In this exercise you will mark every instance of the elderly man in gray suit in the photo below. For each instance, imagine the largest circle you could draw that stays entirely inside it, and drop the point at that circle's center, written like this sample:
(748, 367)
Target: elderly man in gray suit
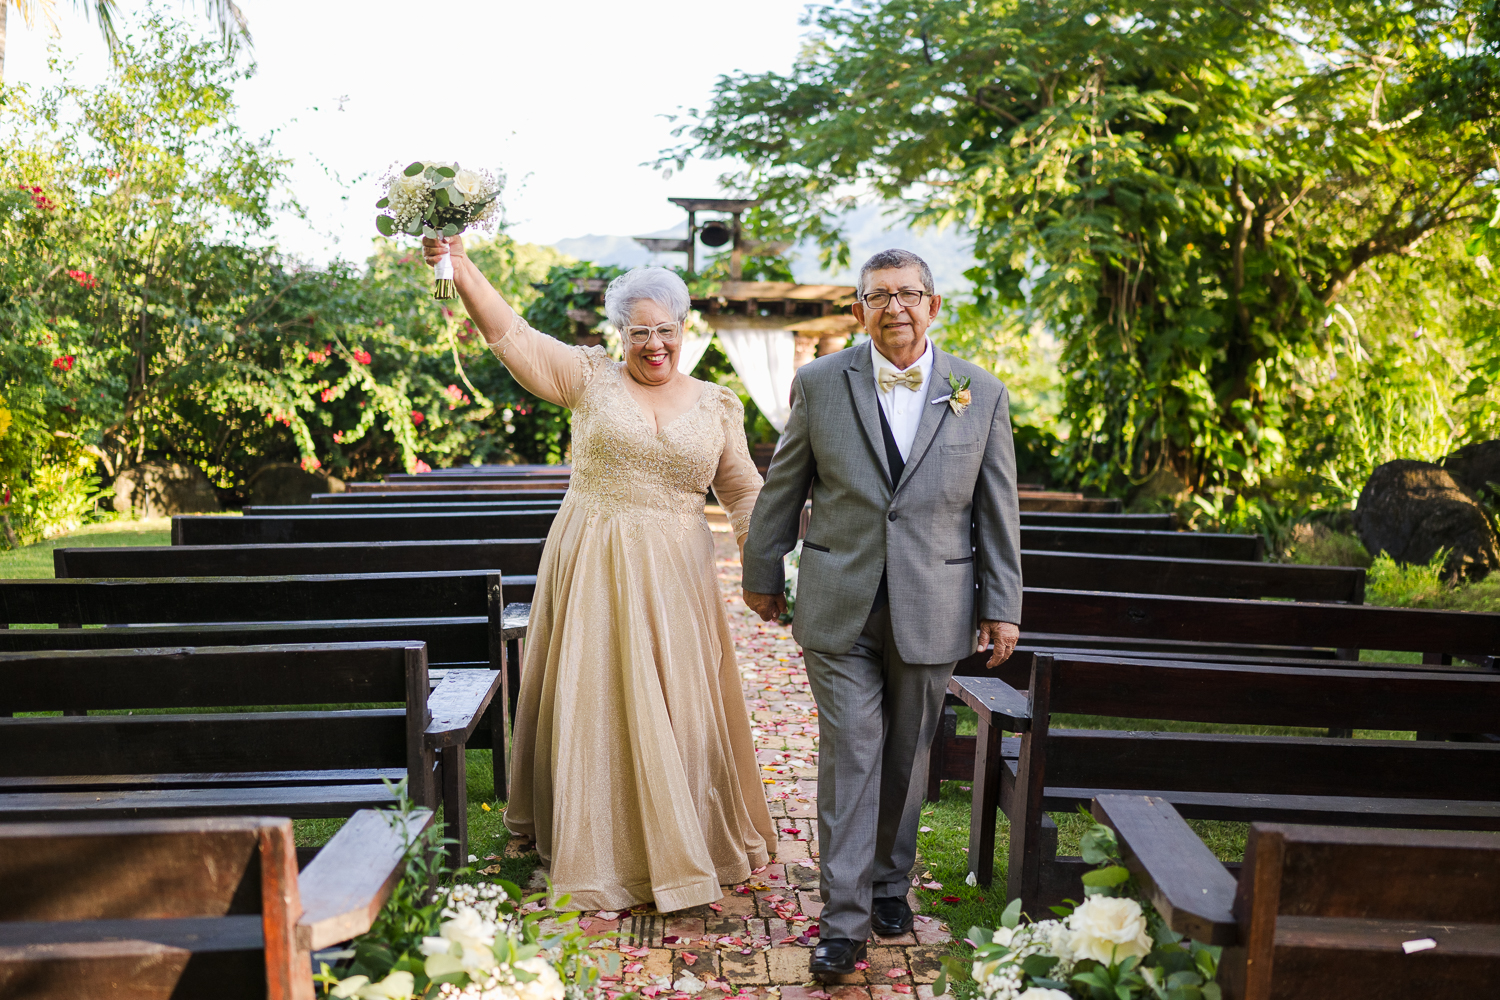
(913, 547)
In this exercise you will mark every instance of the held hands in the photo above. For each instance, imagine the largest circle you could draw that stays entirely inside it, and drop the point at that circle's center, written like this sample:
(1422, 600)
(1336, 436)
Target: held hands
(768, 606)
(432, 250)
(1001, 638)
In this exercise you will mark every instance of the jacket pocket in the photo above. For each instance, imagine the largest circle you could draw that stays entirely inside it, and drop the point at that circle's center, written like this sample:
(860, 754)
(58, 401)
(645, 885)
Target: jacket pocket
(956, 562)
(962, 448)
(814, 546)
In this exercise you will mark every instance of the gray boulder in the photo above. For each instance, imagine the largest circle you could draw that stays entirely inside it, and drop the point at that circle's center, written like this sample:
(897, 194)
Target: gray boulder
(288, 483)
(1475, 466)
(1411, 509)
(161, 489)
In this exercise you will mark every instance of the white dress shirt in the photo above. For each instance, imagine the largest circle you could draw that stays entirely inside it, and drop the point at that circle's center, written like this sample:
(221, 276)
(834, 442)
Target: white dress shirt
(903, 406)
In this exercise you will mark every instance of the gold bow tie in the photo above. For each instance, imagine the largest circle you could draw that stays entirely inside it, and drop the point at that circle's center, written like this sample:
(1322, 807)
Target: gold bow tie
(889, 378)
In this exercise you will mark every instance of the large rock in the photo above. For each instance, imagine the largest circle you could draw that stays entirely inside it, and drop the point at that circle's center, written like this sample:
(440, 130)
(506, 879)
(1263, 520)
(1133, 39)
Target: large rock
(1412, 509)
(1476, 466)
(288, 483)
(161, 489)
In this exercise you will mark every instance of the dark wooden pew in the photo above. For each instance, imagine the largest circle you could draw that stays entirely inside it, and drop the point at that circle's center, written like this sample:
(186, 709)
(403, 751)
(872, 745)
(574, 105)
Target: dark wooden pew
(1126, 542)
(1349, 782)
(1323, 912)
(164, 908)
(463, 610)
(230, 755)
(482, 485)
(335, 510)
(368, 497)
(197, 529)
(1136, 522)
(1196, 577)
(511, 556)
(1068, 502)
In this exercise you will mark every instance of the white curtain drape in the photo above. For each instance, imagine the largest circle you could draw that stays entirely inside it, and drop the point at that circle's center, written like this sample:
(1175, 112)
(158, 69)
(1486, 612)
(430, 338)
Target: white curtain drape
(765, 362)
(694, 344)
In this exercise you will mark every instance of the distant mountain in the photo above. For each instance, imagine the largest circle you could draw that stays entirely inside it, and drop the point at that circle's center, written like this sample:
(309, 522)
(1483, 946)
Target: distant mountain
(949, 253)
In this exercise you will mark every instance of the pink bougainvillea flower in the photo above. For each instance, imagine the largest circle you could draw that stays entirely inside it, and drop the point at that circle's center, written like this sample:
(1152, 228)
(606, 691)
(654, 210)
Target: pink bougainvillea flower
(309, 464)
(316, 357)
(65, 363)
(84, 279)
(327, 394)
(421, 466)
(363, 357)
(416, 416)
(338, 437)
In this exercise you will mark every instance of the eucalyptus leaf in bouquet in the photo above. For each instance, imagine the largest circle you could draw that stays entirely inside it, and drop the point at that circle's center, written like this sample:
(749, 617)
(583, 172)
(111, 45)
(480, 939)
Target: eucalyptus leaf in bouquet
(436, 200)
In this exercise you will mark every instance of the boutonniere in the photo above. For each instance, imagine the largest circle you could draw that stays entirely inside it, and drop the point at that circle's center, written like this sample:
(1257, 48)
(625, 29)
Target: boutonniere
(958, 399)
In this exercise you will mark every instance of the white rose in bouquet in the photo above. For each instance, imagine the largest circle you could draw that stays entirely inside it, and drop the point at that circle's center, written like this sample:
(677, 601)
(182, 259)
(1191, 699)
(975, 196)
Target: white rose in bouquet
(464, 944)
(1108, 929)
(1039, 993)
(436, 200)
(546, 986)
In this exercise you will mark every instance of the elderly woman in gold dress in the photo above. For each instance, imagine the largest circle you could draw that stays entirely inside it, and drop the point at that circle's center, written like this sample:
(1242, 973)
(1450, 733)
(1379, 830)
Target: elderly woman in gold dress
(632, 763)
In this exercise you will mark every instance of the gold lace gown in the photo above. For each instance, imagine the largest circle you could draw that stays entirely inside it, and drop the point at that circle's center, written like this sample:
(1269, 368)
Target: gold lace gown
(632, 763)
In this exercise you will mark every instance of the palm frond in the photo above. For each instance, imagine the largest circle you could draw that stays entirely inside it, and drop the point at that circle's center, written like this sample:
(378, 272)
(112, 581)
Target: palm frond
(234, 27)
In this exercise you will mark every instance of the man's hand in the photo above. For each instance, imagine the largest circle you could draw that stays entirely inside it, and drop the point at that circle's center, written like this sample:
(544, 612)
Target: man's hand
(1001, 637)
(769, 606)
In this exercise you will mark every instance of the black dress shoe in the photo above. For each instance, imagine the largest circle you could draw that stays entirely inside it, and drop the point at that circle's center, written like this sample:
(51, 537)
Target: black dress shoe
(890, 916)
(836, 957)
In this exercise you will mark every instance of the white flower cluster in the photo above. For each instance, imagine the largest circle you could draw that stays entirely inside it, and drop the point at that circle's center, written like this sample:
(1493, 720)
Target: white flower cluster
(411, 199)
(1106, 929)
(502, 984)
(483, 899)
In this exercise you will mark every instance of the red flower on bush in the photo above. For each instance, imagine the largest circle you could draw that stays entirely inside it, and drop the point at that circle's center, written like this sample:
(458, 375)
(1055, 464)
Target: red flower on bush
(316, 357)
(84, 279)
(40, 200)
(456, 397)
(363, 357)
(421, 466)
(309, 464)
(327, 394)
(416, 416)
(65, 362)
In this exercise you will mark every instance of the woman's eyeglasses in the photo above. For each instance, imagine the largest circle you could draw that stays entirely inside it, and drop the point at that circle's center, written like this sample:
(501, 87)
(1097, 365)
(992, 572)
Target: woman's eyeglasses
(906, 296)
(667, 332)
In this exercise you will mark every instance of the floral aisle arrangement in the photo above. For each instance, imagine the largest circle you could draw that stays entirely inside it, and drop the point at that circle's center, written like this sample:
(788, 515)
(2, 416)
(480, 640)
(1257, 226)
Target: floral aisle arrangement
(474, 942)
(1112, 946)
(435, 200)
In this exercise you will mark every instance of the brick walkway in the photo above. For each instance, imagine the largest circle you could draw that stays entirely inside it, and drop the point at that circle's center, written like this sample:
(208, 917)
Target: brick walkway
(756, 940)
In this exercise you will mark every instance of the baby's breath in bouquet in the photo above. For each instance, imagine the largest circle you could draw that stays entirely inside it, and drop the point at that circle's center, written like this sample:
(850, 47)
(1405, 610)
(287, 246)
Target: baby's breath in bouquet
(437, 200)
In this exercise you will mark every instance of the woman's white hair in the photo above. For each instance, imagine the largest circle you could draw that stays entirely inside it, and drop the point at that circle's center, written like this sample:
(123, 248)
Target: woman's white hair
(640, 284)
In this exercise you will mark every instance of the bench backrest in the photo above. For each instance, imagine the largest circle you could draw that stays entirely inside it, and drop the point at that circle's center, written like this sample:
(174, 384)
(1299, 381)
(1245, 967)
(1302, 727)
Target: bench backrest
(512, 556)
(483, 485)
(1243, 694)
(1069, 503)
(1130, 542)
(367, 497)
(209, 679)
(259, 598)
(197, 529)
(1199, 577)
(334, 510)
(1065, 519)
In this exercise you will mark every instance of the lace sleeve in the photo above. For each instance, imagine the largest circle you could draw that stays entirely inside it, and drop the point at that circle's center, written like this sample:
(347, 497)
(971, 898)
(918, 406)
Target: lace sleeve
(737, 483)
(545, 366)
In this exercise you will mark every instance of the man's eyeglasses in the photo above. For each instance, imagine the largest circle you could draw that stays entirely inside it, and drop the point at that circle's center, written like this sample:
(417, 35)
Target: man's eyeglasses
(667, 332)
(906, 296)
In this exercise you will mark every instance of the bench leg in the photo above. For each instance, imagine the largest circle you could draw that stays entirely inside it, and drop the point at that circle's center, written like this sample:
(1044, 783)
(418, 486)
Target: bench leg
(986, 801)
(500, 737)
(455, 805)
(1026, 820)
(947, 729)
(513, 677)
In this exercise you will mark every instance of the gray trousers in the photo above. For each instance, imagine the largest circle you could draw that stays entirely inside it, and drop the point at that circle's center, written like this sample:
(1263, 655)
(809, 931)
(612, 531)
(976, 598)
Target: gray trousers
(876, 720)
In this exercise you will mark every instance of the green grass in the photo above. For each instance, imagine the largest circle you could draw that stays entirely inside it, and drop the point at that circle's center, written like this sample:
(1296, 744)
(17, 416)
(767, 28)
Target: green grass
(34, 562)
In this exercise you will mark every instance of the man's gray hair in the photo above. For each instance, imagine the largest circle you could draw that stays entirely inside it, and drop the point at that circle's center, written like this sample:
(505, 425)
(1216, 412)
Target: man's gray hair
(887, 260)
(642, 284)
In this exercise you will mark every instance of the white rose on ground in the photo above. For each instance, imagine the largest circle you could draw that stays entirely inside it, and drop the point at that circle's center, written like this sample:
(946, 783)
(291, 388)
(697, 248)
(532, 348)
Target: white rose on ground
(1037, 993)
(546, 986)
(1109, 929)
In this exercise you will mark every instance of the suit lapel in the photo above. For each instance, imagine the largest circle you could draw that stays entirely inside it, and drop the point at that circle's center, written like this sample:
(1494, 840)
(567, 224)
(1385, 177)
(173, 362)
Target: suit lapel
(932, 416)
(867, 406)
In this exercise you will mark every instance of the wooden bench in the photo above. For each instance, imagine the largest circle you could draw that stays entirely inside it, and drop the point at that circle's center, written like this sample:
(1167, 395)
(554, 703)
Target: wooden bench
(231, 755)
(198, 529)
(202, 907)
(483, 485)
(1195, 577)
(1216, 776)
(511, 556)
(366, 497)
(337, 510)
(1137, 522)
(1323, 912)
(465, 609)
(1128, 542)
(1068, 502)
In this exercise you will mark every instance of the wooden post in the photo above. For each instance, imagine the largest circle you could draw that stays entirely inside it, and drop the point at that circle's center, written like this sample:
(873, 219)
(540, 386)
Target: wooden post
(692, 241)
(288, 971)
(736, 256)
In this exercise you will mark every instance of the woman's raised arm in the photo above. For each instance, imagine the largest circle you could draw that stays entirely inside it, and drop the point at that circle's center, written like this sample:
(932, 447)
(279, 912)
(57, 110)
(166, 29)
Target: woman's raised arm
(544, 366)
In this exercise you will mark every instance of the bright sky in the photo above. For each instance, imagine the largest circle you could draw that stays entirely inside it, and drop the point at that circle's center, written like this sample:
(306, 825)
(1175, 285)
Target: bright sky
(567, 99)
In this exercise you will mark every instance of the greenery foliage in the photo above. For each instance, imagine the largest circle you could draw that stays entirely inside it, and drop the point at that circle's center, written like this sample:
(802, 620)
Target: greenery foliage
(1262, 232)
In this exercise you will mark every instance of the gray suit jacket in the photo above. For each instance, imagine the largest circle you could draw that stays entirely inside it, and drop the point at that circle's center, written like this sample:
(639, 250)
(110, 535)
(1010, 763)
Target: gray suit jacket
(949, 531)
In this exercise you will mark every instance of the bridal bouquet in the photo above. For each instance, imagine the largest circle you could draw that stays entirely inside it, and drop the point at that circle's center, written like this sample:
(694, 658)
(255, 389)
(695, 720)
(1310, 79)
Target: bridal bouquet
(1112, 946)
(437, 200)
